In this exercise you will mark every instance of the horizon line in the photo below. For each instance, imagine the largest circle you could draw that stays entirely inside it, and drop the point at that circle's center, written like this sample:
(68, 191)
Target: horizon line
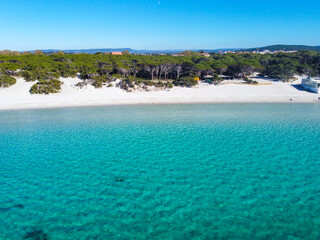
(166, 49)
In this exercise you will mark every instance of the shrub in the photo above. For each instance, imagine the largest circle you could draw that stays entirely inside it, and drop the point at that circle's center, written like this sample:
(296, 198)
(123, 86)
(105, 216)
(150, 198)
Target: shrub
(28, 76)
(7, 81)
(185, 82)
(250, 81)
(159, 84)
(127, 84)
(38, 74)
(99, 81)
(97, 84)
(217, 79)
(145, 83)
(116, 76)
(46, 87)
(169, 85)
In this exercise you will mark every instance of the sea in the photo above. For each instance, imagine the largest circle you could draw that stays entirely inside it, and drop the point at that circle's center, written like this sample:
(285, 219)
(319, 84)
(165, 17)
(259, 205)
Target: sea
(189, 171)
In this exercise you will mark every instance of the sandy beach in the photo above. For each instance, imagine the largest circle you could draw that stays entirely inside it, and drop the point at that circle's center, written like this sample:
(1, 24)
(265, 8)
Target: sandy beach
(18, 96)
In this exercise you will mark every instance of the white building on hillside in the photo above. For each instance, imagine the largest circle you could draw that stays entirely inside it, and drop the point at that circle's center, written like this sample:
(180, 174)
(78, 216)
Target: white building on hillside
(312, 84)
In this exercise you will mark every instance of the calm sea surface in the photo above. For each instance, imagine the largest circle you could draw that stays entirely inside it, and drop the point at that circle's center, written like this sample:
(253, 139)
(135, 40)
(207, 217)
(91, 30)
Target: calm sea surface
(219, 171)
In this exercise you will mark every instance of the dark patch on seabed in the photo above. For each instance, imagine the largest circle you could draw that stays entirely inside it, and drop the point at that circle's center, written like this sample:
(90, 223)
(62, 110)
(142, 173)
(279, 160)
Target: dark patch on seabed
(36, 234)
(6, 209)
(118, 179)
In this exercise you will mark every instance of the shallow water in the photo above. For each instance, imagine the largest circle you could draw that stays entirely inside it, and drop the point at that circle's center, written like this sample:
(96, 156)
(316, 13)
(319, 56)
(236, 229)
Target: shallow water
(216, 171)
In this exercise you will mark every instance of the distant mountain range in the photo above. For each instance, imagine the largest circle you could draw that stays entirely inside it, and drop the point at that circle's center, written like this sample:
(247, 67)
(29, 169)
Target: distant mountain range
(143, 51)
(285, 48)
(172, 51)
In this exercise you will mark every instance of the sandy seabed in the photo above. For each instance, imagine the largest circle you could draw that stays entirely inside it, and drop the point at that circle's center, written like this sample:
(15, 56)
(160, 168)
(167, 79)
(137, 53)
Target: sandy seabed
(18, 96)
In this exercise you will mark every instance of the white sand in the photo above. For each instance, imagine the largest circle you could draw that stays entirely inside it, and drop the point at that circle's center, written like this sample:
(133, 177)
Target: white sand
(18, 96)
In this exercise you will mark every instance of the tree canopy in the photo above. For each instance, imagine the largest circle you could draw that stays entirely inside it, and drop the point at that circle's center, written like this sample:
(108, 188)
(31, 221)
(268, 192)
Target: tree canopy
(99, 68)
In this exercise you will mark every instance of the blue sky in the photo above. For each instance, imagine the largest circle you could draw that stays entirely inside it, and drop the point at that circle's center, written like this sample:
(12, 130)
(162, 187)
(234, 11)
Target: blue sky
(157, 24)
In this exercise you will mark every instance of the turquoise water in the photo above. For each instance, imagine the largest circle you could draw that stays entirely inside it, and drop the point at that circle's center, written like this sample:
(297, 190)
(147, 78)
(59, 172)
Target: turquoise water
(220, 171)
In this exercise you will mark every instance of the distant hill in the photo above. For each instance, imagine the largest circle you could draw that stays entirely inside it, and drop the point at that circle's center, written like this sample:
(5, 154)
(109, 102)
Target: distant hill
(92, 51)
(173, 51)
(285, 48)
(218, 50)
(143, 51)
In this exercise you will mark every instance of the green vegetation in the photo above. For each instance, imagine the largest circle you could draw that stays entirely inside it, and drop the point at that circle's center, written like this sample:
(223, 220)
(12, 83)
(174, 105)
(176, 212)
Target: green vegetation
(100, 80)
(216, 79)
(250, 81)
(185, 82)
(7, 81)
(46, 87)
(130, 83)
(152, 71)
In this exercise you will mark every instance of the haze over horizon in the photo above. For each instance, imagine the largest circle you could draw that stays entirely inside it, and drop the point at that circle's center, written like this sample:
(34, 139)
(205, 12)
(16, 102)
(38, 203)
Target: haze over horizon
(159, 50)
(157, 25)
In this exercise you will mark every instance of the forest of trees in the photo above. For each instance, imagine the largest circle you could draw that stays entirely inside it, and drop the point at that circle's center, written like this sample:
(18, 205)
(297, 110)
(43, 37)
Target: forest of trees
(160, 71)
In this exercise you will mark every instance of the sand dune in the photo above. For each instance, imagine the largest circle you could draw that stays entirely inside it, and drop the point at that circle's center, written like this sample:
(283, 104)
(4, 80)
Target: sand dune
(18, 96)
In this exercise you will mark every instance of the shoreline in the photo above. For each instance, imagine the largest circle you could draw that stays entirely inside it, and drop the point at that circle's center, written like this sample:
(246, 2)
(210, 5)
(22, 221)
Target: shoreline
(57, 106)
(17, 97)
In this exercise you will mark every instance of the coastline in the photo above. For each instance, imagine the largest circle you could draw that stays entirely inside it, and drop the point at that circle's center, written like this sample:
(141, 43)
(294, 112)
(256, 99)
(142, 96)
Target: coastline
(18, 97)
(124, 103)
